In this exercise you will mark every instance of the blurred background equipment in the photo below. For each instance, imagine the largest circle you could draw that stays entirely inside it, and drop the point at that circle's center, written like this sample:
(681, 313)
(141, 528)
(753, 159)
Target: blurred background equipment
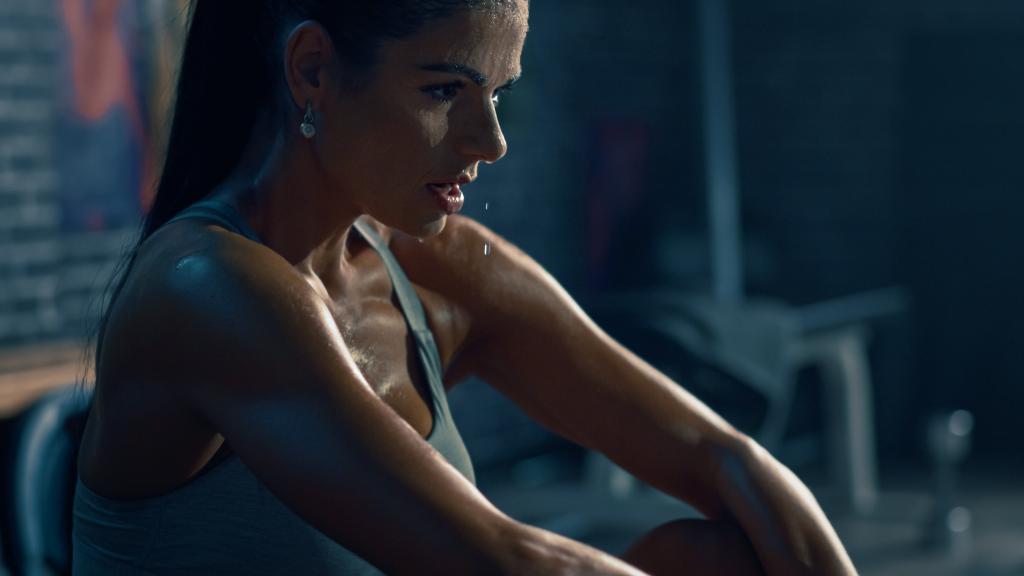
(949, 443)
(806, 213)
(40, 483)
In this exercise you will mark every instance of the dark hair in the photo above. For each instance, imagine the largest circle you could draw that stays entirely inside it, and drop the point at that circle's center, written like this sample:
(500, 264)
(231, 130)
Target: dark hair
(236, 47)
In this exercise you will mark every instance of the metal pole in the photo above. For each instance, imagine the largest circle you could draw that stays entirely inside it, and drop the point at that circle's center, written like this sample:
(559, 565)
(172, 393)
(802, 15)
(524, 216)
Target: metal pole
(720, 151)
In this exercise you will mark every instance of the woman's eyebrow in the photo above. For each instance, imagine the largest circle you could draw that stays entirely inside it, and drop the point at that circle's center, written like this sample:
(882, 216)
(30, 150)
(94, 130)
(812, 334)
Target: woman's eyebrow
(511, 82)
(477, 78)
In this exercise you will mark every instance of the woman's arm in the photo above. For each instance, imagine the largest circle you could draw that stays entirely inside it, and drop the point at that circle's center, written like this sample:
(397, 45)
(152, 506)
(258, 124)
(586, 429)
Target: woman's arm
(268, 369)
(767, 499)
(530, 340)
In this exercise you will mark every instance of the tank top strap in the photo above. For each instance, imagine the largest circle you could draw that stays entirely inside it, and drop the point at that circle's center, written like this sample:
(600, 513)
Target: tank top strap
(415, 316)
(221, 213)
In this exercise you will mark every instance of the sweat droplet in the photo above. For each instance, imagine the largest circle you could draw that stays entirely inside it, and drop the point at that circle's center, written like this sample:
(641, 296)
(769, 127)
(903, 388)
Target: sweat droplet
(487, 249)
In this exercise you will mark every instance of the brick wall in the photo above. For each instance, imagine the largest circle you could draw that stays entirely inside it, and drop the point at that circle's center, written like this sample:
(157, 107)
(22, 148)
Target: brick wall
(49, 280)
(30, 248)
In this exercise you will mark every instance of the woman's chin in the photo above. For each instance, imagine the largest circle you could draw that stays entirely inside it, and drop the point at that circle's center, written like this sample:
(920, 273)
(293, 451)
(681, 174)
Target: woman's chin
(434, 228)
(421, 230)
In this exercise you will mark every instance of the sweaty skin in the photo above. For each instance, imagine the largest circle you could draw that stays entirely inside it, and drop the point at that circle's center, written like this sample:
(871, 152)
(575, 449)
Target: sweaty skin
(218, 343)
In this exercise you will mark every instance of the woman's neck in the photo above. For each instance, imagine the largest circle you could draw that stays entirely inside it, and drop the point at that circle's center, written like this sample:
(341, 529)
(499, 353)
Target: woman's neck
(280, 188)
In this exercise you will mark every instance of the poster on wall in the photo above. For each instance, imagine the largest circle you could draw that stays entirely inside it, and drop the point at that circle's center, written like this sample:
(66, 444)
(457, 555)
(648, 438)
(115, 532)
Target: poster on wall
(116, 83)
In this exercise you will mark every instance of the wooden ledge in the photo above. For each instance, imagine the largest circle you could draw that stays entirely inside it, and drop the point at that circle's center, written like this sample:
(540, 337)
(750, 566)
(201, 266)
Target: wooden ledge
(28, 372)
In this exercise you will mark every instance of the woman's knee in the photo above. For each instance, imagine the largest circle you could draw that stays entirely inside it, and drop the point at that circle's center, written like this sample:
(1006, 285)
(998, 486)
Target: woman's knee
(694, 546)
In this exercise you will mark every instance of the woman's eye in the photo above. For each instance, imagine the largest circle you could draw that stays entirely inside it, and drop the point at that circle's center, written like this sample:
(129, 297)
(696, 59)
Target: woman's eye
(499, 94)
(445, 92)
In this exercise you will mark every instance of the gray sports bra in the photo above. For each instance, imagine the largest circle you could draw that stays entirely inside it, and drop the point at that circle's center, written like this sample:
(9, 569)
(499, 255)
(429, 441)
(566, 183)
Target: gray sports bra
(225, 521)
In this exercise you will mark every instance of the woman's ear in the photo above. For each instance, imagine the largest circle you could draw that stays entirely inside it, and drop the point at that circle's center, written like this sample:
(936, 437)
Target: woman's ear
(308, 53)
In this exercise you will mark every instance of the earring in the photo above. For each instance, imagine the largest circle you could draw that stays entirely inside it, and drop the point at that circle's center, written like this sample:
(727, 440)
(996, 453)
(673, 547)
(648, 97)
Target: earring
(307, 128)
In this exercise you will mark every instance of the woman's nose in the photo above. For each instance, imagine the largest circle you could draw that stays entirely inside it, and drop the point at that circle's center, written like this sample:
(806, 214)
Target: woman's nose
(482, 138)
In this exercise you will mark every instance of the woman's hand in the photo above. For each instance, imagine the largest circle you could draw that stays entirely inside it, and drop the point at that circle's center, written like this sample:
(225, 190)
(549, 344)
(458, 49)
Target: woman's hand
(537, 552)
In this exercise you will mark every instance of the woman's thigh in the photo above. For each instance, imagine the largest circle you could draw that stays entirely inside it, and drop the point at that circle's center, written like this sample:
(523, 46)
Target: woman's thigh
(694, 546)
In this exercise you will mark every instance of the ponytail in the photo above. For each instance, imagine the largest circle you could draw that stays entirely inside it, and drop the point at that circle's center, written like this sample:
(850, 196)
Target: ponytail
(225, 80)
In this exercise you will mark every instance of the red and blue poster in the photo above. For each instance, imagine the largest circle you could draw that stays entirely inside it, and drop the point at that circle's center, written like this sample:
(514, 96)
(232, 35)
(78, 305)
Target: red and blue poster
(115, 84)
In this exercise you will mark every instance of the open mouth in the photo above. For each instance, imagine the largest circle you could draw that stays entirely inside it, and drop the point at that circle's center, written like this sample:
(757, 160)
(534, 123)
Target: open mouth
(441, 188)
(448, 195)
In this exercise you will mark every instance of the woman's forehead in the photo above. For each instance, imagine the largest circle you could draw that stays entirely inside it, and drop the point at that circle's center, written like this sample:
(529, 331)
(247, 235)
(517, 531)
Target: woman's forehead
(489, 41)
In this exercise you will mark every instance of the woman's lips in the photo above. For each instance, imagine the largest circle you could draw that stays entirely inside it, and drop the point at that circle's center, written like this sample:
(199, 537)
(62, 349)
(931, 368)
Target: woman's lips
(449, 197)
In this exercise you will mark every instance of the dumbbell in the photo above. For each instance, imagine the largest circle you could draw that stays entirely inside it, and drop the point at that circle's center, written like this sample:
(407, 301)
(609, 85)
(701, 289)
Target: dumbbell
(948, 527)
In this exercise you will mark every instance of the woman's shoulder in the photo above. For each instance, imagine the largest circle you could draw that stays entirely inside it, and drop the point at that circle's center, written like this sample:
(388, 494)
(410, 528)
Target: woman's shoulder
(190, 281)
(463, 260)
(472, 270)
(182, 239)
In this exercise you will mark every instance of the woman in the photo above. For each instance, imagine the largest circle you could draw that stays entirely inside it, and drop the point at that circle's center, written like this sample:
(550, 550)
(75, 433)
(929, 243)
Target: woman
(272, 368)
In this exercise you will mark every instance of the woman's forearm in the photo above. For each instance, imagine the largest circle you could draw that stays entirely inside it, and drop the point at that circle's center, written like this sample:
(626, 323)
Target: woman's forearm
(781, 517)
(531, 551)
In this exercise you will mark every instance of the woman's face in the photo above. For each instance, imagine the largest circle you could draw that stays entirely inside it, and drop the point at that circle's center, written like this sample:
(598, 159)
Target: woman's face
(426, 116)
